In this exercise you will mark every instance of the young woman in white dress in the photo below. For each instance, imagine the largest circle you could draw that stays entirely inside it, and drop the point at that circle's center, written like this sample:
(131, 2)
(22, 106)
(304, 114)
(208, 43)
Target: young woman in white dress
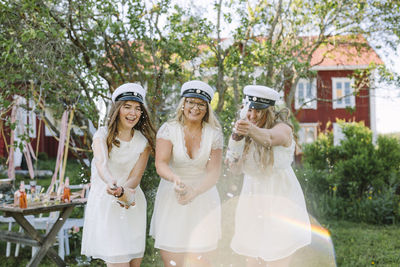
(271, 219)
(115, 218)
(186, 219)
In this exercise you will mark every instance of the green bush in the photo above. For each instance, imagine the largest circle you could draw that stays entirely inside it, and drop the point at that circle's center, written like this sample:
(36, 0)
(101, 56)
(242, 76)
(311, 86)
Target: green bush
(355, 180)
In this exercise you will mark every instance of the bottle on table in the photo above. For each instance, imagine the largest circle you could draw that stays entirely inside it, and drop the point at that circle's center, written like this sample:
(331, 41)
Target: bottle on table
(20, 196)
(66, 197)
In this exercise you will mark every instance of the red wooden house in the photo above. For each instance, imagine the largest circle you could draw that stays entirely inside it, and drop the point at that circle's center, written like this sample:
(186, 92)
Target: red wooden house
(336, 92)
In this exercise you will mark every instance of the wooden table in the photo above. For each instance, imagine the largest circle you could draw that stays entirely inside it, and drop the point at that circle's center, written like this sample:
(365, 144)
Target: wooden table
(33, 237)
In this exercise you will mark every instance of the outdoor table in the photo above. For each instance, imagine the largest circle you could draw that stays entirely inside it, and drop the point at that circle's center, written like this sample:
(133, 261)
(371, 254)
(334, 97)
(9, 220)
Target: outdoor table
(33, 237)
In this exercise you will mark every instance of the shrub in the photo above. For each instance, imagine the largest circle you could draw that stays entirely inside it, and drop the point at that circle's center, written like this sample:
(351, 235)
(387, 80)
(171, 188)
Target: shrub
(355, 180)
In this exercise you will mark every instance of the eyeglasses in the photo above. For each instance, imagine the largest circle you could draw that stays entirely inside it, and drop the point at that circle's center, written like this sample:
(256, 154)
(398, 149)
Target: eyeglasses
(200, 106)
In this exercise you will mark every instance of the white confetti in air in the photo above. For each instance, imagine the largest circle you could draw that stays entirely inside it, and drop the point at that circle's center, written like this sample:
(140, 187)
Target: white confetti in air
(229, 194)
(172, 263)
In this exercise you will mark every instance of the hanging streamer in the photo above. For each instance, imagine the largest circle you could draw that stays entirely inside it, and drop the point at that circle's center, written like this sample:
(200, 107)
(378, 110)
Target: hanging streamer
(71, 116)
(11, 169)
(29, 160)
(60, 150)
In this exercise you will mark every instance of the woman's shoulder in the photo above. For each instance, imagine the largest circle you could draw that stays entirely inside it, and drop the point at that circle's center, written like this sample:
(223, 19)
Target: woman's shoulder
(169, 124)
(140, 136)
(101, 132)
(172, 123)
(213, 129)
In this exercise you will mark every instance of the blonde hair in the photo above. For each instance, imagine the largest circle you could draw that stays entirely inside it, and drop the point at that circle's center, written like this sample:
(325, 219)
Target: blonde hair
(269, 118)
(209, 117)
(144, 125)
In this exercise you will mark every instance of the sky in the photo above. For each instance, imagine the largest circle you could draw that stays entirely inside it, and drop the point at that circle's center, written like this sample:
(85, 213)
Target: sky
(388, 98)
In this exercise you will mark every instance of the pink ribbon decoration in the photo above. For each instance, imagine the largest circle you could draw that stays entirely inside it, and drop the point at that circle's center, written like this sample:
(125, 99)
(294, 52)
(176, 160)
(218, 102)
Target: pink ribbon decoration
(11, 168)
(29, 161)
(60, 150)
(30, 148)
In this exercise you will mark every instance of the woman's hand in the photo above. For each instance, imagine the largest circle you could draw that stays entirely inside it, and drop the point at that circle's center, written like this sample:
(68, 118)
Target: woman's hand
(186, 196)
(234, 167)
(243, 127)
(113, 189)
(127, 199)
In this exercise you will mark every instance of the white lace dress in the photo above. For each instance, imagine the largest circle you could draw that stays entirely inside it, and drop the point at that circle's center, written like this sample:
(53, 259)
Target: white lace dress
(271, 217)
(195, 227)
(112, 233)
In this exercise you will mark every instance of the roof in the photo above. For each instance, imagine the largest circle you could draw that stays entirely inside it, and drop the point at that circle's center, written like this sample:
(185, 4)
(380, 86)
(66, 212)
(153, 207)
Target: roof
(345, 52)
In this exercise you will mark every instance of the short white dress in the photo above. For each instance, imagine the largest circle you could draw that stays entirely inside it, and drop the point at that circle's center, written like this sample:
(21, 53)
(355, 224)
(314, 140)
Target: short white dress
(110, 232)
(271, 220)
(195, 227)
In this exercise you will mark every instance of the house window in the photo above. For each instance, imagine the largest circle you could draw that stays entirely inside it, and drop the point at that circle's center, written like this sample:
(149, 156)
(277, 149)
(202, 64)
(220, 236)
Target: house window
(307, 133)
(342, 93)
(306, 94)
(338, 134)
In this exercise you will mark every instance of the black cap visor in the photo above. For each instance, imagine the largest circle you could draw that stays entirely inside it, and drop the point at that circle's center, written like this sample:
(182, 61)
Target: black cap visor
(258, 105)
(202, 97)
(130, 98)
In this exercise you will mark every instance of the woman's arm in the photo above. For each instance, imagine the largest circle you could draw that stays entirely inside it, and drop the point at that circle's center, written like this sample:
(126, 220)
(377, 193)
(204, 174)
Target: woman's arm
(126, 192)
(100, 159)
(136, 174)
(213, 173)
(163, 156)
(279, 135)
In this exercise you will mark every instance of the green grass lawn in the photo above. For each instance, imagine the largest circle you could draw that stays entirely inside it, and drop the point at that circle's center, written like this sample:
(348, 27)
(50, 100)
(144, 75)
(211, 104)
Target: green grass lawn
(355, 244)
(359, 244)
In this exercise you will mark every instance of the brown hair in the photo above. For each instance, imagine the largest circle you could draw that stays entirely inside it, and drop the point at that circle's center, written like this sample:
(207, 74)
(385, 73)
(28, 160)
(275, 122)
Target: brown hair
(269, 118)
(144, 125)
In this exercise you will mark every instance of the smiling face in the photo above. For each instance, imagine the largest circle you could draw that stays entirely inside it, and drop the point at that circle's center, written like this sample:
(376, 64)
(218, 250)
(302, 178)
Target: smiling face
(194, 109)
(257, 116)
(129, 114)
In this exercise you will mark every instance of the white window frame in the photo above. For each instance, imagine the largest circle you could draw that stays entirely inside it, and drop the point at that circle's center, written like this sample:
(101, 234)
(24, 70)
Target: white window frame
(304, 127)
(311, 101)
(341, 103)
(338, 134)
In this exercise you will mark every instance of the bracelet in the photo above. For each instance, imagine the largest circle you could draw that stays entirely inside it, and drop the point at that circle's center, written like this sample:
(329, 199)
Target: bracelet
(122, 193)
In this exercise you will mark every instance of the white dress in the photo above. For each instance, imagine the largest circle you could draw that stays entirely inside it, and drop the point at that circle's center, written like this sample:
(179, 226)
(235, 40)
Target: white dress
(195, 227)
(271, 218)
(110, 232)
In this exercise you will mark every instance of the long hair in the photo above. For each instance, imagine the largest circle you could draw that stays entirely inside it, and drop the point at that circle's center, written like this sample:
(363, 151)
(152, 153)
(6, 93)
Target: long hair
(269, 118)
(209, 117)
(144, 125)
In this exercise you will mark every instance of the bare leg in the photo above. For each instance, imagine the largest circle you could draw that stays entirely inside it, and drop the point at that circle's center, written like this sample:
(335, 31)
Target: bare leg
(132, 263)
(255, 262)
(125, 264)
(285, 262)
(197, 260)
(135, 262)
(172, 259)
(258, 262)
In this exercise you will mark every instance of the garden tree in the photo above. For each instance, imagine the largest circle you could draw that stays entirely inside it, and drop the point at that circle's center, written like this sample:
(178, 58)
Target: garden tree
(75, 52)
(38, 64)
(383, 17)
(267, 46)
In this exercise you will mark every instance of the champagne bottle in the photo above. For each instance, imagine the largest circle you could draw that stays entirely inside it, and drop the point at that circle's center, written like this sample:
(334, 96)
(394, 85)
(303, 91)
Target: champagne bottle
(236, 142)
